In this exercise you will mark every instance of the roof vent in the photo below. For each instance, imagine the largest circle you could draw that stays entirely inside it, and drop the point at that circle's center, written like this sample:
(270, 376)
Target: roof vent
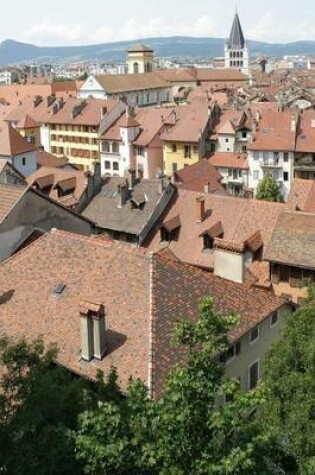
(59, 288)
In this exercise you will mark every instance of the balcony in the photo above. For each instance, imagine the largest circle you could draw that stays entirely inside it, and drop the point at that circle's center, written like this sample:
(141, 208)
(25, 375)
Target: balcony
(306, 164)
(270, 163)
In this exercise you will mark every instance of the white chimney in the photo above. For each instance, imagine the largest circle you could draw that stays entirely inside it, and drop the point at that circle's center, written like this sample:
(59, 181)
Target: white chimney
(93, 330)
(229, 260)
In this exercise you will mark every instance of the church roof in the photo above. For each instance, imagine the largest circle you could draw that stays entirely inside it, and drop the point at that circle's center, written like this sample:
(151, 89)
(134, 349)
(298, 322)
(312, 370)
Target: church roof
(237, 39)
(139, 48)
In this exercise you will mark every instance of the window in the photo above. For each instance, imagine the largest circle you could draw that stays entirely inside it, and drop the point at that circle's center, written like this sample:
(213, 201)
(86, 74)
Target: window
(115, 166)
(107, 165)
(23, 161)
(255, 155)
(187, 153)
(285, 176)
(265, 156)
(276, 174)
(226, 140)
(274, 319)
(286, 157)
(284, 274)
(253, 375)
(174, 167)
(235, 174)
(244, 134)
(276, 157)
(115, 147)
(207, 242)
(135, 68)
(255, 175)
(231, 353)
(254, 335)
(174, 148)
(105, 146)
(195, 149)
(140, 151)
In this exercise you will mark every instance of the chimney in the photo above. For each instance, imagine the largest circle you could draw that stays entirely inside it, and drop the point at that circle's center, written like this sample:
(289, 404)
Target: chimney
(93, 330)
(206, 187)
(200, 209)
(103, 112)
(293, 123)
(122, 190)
(229, 260)
(161, 184)
(131, 178)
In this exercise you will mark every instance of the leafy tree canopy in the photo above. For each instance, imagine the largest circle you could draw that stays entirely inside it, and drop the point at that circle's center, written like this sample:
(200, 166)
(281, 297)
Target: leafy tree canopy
(268, 190)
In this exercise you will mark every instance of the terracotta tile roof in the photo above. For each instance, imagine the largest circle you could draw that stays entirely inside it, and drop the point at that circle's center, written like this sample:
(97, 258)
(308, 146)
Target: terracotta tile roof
(119, 83)
(240, 219)
(12, 143)
(229, 122)
(150, 120)
(27, 123)
(55, 178)
(196, 176)
(293, 239)
(305, 142)
(46, 159)
(300, 194)
(140, 306)
(202, 74)
(191, 121)
(90, 115)
(229, 160)
(274, 133)
(9, 197)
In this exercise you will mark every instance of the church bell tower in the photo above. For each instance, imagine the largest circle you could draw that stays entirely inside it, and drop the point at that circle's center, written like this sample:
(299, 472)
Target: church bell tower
(236, 50)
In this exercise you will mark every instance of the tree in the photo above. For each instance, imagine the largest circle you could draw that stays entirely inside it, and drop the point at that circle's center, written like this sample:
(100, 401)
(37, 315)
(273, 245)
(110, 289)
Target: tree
(39, 407)
(269, 190)
(289, 412)
(187, 430)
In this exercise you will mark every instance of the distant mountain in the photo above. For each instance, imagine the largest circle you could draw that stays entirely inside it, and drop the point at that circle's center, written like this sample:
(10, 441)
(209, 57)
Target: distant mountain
(13, 52)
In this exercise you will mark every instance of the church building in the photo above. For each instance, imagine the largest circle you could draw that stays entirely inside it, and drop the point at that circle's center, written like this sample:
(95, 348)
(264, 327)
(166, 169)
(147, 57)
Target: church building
(236, 50)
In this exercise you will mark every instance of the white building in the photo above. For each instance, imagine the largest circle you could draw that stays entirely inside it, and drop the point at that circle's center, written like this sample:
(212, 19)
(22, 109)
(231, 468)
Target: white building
(236, 49)
(272, 150)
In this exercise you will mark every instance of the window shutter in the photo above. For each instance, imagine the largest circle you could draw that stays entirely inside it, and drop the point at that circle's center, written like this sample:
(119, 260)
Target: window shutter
(275, 274)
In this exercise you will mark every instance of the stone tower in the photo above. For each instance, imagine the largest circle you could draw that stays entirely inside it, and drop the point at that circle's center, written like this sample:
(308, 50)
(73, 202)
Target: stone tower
(140, 59)
(236, 50)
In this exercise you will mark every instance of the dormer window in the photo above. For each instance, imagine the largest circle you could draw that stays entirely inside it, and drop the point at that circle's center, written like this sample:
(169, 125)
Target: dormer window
(208, 236)
(207, 242)
(170, 229)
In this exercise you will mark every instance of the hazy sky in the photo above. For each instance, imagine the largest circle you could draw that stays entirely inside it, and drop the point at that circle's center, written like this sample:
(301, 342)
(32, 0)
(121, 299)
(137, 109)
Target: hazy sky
(68, 22)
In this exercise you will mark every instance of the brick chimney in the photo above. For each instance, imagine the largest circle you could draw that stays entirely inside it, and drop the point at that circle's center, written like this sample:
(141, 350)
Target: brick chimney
(200, 209)
(93, 330)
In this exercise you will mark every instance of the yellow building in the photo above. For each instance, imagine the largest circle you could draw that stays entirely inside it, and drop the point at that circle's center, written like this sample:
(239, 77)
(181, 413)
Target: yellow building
(64, 125)
(177, 155)
(79, 143)
(186, 134)
(140, 59)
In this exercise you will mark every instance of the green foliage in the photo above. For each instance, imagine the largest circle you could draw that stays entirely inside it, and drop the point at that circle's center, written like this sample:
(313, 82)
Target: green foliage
(290, 382)
(268, 190)
(186, 431)
(39, 407)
